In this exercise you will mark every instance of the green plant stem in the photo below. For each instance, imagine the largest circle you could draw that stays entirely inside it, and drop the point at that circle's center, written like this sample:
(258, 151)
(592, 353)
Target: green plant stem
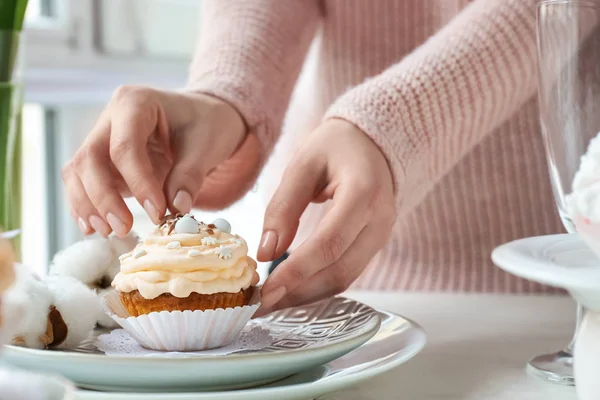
(12, 14)
(9, 47)
(10, 158)
(6, 92)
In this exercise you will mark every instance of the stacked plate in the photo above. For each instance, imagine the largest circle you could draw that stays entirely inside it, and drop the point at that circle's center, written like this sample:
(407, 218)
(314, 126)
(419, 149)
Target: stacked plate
(312, 350)
(562, 260)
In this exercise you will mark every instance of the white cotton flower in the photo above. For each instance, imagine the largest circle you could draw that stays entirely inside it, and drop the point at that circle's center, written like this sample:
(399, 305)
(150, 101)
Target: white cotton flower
(95, 262)
(25, 308)
(78, 306)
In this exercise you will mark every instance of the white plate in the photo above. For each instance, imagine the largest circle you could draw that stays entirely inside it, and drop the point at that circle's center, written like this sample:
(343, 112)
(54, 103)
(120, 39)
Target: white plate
(563, 261)
(302, 337)
(53, 387)
(397, 341)
(57, 388)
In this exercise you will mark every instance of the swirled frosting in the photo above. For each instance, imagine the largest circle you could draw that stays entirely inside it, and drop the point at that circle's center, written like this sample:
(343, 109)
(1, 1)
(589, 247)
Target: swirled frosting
(205, 262)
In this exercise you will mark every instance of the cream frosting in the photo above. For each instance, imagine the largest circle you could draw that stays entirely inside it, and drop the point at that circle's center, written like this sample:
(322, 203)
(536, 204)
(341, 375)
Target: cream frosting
(183, 263)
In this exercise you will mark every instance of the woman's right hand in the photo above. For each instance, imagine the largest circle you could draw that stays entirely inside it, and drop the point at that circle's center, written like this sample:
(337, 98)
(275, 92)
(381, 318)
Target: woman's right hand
(154, 145)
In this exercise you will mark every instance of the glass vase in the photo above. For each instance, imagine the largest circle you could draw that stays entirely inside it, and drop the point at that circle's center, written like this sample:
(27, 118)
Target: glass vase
(11, 106)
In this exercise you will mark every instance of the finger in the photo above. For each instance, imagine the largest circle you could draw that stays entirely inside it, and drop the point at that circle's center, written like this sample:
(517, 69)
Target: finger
(233, 178)
(82, 208)
(338, 229)
(338, 277)
(299, 185)
(100, 186)
(136, 114)
(184, 182)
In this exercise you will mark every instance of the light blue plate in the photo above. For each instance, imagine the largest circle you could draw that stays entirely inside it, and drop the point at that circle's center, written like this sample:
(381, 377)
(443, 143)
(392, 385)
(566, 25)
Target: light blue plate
(302, 338)
(397, 341)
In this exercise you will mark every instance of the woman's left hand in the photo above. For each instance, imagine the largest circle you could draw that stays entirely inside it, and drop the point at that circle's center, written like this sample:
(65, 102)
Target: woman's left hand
(338, 162)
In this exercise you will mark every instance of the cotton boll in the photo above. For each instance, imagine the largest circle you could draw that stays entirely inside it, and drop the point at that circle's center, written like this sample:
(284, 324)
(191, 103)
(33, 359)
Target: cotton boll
(78, 305)
(95, 262)
(90, 262)
(87, 261)
(25, 307)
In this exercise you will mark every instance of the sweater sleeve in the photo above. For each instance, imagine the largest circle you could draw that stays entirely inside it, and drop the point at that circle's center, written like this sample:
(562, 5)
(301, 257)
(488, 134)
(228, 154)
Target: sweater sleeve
(431, 108)
(250, 54)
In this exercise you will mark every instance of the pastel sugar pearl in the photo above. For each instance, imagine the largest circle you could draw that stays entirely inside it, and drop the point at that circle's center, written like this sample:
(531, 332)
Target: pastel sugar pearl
(222, 225)
(186, 224)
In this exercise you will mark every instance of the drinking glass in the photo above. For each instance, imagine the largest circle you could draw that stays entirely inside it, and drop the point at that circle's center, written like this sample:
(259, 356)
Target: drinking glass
(569, 96)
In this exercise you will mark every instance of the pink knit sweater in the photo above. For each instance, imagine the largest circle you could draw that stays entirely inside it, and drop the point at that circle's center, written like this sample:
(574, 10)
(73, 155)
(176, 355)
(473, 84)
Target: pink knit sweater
(446, 88)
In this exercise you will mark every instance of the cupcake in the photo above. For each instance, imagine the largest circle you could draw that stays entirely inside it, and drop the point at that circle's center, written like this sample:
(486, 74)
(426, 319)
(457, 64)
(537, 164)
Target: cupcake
(186, 265)
(186, 269)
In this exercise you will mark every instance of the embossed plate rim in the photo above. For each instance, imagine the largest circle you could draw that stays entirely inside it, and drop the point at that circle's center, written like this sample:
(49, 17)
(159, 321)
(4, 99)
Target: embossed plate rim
(327, 384)
(209, 373)
(374, 320)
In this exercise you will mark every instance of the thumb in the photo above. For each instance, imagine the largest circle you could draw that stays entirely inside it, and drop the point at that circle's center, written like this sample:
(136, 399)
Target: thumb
(233, 178)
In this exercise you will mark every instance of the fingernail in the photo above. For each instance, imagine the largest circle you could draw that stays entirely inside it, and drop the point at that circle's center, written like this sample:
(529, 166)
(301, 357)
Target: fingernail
(261, 312)
(273, 297)
(183, 201)
(151, 211)
(268, 245)
(83, 227)
(116, 224)
(99, 225)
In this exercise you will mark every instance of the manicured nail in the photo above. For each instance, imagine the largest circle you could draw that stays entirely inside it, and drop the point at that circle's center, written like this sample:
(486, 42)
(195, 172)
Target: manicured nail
(151, 211)
(83, 227)
(183, 201)
(273, 297)
(268, 245)
(99, 225)
(116, 224)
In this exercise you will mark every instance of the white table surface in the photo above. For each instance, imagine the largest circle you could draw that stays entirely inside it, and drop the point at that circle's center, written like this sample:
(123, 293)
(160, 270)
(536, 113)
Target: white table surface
(477, 347)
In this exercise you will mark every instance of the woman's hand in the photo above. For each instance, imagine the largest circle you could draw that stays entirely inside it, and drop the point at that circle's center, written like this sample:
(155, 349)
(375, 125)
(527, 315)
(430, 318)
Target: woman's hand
(154, 145)
(338, 162)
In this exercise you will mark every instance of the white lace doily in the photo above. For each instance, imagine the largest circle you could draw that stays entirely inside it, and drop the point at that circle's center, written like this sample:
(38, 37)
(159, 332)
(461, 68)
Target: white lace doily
(120, 343)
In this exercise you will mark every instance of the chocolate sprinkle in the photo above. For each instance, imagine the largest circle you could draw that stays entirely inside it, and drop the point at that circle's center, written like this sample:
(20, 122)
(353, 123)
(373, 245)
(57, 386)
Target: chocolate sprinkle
(210, 232)
(212, 226)
(170, 220)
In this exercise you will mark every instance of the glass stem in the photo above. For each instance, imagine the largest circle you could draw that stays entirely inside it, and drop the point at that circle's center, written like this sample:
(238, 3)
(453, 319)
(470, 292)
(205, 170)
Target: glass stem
(577, 324)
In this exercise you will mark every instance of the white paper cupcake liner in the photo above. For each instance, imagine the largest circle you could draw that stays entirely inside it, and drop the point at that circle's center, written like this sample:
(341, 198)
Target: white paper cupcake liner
(182, 330)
